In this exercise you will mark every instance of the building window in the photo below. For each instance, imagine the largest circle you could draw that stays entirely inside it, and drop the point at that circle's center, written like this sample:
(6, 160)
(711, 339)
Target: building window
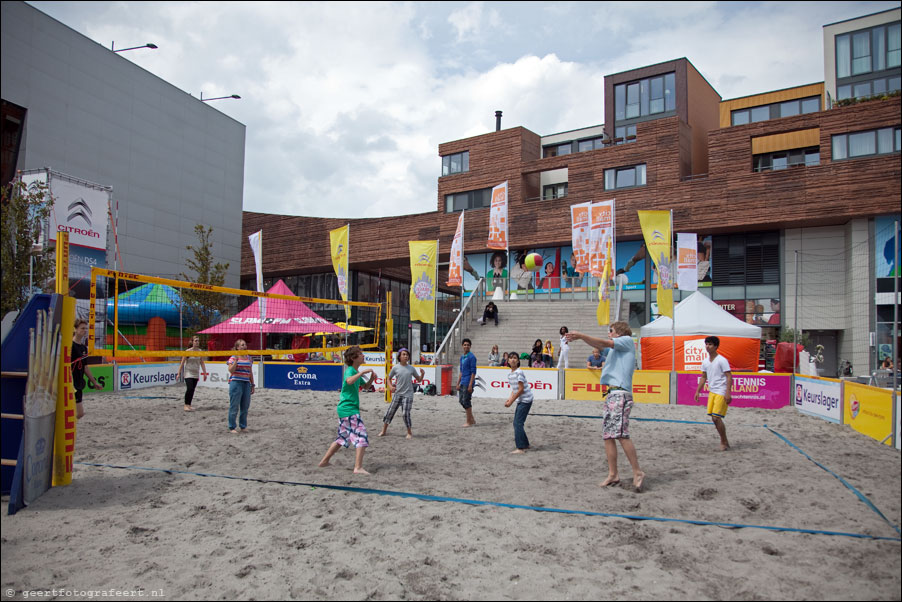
(864, 144)
(624, 177)
(868, 50)
(456, 163)
(645, 97)
(473, 199)
(554, 191)
(787, 158)
(873, 87)
(789, 108)
(624, 134)
(556, 150)
(590, 144)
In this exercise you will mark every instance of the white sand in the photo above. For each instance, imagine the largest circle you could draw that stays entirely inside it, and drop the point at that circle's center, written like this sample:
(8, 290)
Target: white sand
(198, 537)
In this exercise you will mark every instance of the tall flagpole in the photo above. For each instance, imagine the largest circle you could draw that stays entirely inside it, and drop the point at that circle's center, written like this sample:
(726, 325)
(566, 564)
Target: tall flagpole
(672, 309)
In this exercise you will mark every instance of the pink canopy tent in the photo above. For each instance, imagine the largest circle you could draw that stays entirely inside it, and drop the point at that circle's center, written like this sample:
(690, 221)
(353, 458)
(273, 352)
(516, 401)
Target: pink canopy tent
(283, 316)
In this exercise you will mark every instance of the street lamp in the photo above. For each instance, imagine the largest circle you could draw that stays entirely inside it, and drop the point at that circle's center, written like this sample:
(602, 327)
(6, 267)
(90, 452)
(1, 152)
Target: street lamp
(148, 45)
(202, 99)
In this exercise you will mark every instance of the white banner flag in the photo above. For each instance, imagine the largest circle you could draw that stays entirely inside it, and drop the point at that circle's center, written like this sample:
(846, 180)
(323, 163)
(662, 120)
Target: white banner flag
(687, 262)
(579, 226)
(256, 241)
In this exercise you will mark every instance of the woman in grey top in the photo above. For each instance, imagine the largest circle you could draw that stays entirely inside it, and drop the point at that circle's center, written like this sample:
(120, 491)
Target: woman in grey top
(191, 368)
(494, 357)
(401, 379)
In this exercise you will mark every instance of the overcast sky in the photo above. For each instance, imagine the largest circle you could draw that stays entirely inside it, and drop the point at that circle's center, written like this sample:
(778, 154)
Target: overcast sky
(345, 104)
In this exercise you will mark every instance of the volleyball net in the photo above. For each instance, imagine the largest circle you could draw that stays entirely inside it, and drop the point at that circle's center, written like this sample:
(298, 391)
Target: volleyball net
(134, 316)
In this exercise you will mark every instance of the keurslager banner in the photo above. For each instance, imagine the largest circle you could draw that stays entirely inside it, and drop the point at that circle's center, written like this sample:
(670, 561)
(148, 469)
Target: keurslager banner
(455, 267)
(339, 241)
(423, 254)
(498, 218)
(656, 231)
(579, 226)
(687, 261)
(601, 236)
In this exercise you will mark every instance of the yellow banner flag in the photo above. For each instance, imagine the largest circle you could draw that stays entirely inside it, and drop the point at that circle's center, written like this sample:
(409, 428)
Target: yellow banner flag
(603, 312)
(339, 242)
(656, 231)
(423, 273)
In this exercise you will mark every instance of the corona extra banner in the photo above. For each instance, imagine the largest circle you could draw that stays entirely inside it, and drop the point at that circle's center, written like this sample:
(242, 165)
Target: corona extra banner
(821, 397)
(579, 226)
(601, 236)
(338, 239)
(498, 218)
(423, 274)
(492, 382)
(303, 377)
(687, 261)
(656, 232)
(649, 386)
(750, 390)
(869, 410)
(456, 264)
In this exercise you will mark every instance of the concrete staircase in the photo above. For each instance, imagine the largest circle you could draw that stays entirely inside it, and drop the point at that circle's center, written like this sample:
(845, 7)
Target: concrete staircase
(520, 323)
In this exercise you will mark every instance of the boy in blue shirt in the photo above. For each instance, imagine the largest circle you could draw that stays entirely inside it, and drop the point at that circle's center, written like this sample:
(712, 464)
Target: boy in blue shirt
(465, 380)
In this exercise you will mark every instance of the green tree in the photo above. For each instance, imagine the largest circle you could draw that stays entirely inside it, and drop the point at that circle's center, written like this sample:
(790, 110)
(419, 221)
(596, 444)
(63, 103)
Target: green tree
(787, 334)
(205, 307)
(25, 210)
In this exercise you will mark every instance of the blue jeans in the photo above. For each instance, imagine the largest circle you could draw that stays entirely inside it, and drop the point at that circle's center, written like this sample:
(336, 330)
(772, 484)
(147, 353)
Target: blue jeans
(520, 415)
(239, 402)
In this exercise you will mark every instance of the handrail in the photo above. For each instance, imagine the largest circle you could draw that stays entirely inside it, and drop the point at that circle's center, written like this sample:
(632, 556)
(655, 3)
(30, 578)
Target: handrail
(460, 315)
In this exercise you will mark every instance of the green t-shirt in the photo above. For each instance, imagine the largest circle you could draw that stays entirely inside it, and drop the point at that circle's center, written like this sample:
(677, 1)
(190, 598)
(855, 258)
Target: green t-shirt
(349, 401)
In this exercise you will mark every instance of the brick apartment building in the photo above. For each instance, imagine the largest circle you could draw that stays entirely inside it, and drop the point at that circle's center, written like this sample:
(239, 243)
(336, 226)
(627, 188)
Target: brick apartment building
(794, 192)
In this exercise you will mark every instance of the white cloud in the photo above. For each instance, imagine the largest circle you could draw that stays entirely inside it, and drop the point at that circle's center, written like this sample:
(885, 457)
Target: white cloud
(346, 103)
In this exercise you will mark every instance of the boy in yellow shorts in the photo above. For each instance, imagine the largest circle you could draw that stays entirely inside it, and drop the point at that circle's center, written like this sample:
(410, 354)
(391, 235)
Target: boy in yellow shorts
(716, 372)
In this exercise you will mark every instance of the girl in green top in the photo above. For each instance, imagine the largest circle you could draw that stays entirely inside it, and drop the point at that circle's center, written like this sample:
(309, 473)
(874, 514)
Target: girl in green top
(350, 425)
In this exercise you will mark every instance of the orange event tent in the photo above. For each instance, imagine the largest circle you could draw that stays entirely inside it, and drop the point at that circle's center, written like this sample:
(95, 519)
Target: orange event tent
(696, 317)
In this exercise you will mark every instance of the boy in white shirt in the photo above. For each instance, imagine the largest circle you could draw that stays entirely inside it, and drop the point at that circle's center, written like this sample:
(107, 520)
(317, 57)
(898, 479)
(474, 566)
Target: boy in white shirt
(716, 372)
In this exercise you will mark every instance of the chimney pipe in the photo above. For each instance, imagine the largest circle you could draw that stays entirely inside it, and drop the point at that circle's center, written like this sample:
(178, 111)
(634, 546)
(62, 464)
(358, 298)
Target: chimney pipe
(497, 121)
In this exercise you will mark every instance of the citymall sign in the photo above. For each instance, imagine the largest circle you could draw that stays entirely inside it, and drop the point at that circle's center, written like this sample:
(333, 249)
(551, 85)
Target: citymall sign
(820, 397)
(492, 382)
(869, 410)
(307, 377)
(218, 375)
(649, 386)
(750, 390)
(141, 376)
(379, 369)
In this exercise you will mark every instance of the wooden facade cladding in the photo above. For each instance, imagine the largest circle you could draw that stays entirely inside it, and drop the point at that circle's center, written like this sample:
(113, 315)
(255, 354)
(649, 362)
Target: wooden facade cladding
(730, 198)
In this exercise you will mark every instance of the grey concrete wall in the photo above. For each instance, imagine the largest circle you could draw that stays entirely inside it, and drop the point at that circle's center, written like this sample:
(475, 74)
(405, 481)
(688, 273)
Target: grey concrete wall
(171, 160)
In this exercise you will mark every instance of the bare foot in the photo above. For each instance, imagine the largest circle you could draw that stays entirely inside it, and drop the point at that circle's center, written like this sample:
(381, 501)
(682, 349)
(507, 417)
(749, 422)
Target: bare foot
(639, 481)
(323, 464)
(189, 408)
(409, 436)
(233, 431)
(519, 451)
(610, 481)
(724, 447)
(360, 471)
(382, 434)
(469, 424)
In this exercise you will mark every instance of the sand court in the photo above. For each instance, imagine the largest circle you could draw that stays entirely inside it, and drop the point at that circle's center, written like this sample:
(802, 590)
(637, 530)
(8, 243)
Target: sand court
(284, 528)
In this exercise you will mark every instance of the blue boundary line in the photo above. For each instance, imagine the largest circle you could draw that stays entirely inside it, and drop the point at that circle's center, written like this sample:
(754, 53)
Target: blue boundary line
(860, 495)
(434, 498)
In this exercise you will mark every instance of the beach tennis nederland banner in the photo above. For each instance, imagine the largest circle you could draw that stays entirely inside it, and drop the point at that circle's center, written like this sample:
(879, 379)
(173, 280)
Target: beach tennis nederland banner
(498, 218)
